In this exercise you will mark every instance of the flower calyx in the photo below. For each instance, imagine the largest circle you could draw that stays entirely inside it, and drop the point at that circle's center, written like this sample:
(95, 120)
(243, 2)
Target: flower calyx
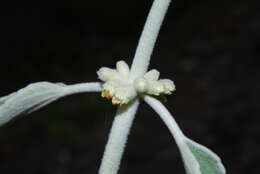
(120, 89)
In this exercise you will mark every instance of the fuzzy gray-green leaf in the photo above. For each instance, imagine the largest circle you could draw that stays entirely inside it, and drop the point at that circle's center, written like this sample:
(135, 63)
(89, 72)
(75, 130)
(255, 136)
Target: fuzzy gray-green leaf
(28, 99)
(209, 162)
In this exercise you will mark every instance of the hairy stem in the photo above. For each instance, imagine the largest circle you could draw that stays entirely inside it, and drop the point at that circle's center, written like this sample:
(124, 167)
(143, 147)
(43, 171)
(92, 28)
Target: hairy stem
(118, 138)
(84, 87)
(148, 38)
(166, 116)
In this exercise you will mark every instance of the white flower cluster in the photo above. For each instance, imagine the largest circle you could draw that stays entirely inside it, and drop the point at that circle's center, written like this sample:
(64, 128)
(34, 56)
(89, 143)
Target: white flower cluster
(118, 86)
(151, 84)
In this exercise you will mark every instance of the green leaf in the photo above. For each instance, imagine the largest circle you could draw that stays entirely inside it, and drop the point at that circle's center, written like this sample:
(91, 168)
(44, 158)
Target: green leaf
(29, 99)
(200, 160)
(37, 95)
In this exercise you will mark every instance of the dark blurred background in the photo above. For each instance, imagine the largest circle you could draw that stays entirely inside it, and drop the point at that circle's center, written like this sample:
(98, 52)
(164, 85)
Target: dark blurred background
(209, 48)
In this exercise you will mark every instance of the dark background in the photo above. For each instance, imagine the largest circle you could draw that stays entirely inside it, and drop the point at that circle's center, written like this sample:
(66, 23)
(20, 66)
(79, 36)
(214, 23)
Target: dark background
(209, 48)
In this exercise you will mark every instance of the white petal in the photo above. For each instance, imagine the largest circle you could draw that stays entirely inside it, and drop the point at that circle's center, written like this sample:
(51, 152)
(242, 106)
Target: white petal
(110, 86)
(152, 75)
(168, 85)
(106, 74)
(155, 88)
(125, 93)
(122, 68)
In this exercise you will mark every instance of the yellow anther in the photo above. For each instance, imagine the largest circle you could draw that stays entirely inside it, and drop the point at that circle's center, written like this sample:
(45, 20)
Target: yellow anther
(106, 94)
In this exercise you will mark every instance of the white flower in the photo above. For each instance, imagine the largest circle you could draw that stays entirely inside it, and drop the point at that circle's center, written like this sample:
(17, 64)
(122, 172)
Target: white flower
(151, 84)
(118, 86)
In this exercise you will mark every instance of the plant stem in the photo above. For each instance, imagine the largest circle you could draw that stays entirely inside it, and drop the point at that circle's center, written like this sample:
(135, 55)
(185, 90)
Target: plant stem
(167, 118)
(83, 87)
(148, 38)
(118, 138)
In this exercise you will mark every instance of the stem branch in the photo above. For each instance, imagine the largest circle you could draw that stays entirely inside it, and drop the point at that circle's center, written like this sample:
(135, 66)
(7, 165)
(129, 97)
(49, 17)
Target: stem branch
(148, 38)
(118, 138)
